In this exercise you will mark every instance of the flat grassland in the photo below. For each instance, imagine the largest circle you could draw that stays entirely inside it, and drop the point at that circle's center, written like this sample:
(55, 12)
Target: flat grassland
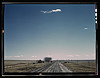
(81, 66)
(21, 65)
(28, 66)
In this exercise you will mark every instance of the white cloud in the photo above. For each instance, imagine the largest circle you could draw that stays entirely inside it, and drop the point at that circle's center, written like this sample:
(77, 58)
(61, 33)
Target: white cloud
(44, 11)
(34, 56)
(56, 10)
(89, 56)
(17, 56)
(14, 56)
(85, 28)
(48, 56)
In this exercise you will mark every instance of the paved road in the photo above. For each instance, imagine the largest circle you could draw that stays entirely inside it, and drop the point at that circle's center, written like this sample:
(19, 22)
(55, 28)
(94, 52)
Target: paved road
(53, 67)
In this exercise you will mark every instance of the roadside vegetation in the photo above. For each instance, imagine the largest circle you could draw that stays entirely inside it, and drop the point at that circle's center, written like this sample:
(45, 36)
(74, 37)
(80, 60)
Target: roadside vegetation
(22, 66)
(89, 66)
(30, 65)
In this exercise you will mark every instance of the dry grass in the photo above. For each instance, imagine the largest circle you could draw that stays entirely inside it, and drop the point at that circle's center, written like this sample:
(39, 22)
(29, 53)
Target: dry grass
(21, 66)
(28, 66)
(81, 66)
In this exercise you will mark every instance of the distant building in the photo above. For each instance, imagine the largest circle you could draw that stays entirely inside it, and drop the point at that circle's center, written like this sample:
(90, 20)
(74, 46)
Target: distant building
(47, 59)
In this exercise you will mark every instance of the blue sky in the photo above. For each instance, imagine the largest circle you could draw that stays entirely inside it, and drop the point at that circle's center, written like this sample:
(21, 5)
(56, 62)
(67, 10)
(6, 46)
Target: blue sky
(61, 31)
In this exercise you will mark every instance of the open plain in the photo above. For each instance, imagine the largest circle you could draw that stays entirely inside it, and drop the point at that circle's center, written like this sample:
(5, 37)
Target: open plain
(55, 66)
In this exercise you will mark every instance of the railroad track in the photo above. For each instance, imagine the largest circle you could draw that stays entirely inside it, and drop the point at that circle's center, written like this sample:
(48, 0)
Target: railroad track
(53, 67)
(41, 69)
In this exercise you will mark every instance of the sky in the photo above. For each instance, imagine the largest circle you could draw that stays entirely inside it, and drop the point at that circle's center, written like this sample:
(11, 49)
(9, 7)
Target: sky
(60, 31)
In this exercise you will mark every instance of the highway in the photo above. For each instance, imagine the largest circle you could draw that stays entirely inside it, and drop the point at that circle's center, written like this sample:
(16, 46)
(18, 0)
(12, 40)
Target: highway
(53, 67)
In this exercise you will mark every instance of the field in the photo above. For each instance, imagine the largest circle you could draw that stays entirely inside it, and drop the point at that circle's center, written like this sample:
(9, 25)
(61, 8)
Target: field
(81, 66)
(30, 65)
(21, 65)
